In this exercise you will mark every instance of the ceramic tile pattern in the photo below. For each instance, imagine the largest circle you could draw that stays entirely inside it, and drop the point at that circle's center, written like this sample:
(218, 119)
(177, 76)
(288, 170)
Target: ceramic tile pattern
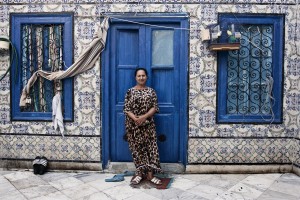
(91, 185)
(208, 142)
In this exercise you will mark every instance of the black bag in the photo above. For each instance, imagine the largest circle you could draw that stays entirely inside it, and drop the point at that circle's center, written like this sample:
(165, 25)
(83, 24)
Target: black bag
(40, 165)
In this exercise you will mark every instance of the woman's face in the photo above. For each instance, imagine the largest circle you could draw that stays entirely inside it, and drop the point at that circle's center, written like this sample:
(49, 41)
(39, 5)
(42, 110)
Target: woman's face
(141, 77)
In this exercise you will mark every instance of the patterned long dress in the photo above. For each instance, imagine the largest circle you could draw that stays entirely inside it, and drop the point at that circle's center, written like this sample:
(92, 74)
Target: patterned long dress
(142, 139)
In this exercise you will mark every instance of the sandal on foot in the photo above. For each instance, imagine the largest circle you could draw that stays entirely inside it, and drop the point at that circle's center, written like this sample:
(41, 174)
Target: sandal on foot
(136, 180)
(156, 181)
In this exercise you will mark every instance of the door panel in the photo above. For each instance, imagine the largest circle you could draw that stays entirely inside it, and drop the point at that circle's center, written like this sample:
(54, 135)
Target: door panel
(122, 152)
(126, 57)
(163, 82)
(167, 137)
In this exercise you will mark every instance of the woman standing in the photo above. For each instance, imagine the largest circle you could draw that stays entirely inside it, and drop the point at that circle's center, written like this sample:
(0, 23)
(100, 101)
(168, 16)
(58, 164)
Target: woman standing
(140, 106)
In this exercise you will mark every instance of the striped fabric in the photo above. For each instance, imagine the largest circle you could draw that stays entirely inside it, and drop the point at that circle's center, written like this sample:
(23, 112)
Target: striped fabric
(85, 62)
(43, 162)
(36, 162)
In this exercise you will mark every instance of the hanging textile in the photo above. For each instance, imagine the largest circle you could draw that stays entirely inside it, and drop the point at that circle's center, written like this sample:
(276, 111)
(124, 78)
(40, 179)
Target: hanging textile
(85, 62)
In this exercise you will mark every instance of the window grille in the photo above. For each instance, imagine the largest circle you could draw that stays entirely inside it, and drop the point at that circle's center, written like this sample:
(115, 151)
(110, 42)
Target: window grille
(250, 79)
(41, 48)
(250, 72)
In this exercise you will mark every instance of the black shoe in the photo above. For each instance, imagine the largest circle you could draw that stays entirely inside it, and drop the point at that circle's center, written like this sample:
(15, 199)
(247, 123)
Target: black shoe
(36, 165)
(43, 165)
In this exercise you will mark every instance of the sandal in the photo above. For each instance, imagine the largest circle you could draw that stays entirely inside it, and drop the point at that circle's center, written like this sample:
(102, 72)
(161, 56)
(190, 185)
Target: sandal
(156, 181)
(136, 180)
(115, 178)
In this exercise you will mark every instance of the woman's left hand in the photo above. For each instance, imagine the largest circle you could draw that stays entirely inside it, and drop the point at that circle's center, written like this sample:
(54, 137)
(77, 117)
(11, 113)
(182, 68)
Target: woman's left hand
(140, 120)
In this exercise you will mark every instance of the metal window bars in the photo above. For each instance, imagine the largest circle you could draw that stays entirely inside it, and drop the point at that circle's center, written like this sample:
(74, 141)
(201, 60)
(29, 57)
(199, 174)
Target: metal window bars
(41, 48)
(250, 72)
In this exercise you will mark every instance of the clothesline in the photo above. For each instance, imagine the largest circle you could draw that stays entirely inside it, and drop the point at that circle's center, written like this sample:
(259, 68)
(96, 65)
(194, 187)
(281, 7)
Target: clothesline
(140, 23)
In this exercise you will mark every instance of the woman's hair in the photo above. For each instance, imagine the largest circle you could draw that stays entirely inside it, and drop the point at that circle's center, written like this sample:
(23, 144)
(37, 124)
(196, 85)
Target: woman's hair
(140, 68)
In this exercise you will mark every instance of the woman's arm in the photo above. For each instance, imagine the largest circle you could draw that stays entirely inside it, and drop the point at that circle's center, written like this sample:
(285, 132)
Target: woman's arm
(141, 119)
(131, 115)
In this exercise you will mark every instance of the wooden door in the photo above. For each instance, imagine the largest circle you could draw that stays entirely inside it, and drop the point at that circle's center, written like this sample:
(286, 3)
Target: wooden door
(156, 47)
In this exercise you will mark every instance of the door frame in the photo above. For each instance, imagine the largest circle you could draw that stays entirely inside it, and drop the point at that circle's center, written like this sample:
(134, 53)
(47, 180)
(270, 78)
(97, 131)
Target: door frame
(183, 19)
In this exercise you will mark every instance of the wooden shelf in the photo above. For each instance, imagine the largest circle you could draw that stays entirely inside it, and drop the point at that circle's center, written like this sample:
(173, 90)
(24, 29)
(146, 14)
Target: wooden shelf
(224, 46)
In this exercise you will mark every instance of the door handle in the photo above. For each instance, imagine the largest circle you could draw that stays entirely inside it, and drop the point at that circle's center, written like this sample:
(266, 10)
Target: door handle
(125, 137)
(162, 137)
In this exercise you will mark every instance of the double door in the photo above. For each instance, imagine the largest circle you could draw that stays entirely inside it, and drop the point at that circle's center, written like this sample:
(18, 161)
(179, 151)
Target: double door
(156, 46)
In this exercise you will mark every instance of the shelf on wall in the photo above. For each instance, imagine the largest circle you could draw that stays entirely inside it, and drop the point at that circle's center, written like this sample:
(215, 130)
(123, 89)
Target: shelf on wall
(224, 46)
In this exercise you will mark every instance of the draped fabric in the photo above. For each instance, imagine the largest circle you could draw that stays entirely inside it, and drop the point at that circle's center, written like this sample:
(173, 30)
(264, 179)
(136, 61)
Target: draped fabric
(85, 62)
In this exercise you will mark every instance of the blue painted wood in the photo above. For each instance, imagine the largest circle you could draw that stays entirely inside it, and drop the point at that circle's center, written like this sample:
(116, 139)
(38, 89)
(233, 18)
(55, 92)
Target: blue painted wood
(130, 45)
(17, 20)
(278, 47)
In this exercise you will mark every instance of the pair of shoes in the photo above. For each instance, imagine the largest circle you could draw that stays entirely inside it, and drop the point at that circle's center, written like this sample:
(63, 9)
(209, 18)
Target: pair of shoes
(156, 181)
(40, 165)
(136, 180)
(115, 178)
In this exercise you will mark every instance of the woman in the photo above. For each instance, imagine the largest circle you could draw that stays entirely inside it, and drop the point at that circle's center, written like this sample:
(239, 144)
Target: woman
(140, 106)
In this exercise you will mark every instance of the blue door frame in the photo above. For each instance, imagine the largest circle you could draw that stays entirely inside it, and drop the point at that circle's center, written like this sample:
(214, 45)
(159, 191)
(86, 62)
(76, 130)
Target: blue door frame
(106, 78)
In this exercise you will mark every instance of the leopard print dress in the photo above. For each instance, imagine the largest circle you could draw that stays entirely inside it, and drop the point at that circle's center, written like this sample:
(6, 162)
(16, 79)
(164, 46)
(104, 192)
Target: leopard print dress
(142, 139)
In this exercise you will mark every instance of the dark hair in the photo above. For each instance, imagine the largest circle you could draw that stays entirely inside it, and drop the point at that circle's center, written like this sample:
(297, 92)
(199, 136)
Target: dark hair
(140, 68)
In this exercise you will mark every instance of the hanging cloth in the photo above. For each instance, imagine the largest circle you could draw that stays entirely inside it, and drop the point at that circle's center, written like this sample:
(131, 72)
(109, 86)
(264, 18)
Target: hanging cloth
(85, 62)
(57, 117)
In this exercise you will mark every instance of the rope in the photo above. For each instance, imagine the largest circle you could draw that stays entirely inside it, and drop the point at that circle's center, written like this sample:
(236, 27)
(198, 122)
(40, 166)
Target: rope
(140, 23)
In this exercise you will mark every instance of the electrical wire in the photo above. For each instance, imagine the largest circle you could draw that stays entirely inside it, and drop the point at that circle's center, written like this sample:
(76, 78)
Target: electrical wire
(13, 56)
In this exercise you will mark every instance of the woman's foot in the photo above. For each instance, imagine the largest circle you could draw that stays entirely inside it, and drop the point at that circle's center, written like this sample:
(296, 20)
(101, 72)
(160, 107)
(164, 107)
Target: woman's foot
(136, 179)
(156, 181)
(153, 179)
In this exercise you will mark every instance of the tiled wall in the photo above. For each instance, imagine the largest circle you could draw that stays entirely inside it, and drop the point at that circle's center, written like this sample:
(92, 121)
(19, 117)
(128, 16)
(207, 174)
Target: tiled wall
(208, 142)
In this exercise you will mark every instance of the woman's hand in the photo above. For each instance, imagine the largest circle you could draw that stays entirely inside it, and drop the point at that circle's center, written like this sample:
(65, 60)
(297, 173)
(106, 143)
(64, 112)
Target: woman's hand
(140, 120)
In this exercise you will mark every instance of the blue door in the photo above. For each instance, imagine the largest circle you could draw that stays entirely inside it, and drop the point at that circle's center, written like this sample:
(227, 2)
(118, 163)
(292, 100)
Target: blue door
(159, 45)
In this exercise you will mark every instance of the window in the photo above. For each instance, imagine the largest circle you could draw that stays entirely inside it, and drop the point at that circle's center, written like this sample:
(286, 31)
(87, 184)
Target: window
(43, 41)
(250, 82)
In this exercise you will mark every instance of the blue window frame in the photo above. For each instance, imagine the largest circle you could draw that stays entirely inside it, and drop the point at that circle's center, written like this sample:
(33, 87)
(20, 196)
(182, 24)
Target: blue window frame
(250, 80)
(42, 41)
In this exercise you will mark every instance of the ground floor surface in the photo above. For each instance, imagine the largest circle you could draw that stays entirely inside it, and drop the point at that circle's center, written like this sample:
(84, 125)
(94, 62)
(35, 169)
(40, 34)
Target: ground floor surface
(58, 185)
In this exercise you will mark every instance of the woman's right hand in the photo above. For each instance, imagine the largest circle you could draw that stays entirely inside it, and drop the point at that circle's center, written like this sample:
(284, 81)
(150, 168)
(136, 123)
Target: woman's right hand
(133, 117)
(140, 120)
